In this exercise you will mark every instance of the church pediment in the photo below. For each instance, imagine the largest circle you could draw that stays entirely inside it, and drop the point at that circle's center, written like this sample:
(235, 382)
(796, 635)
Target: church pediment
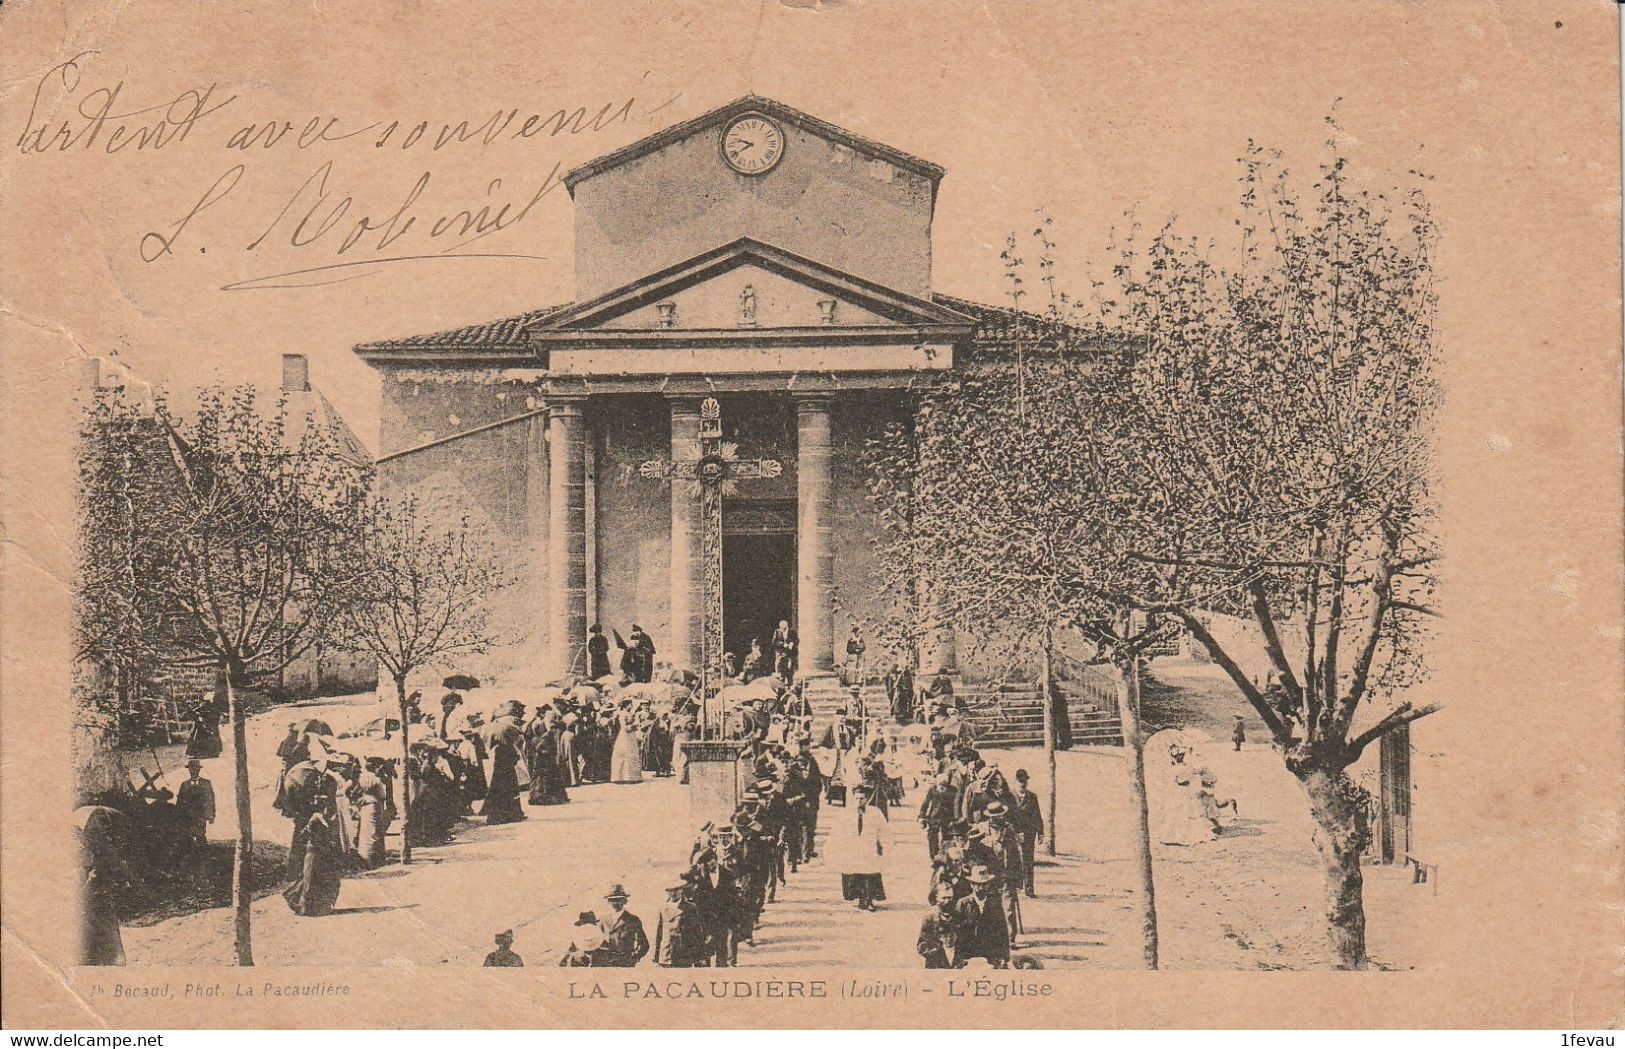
(748, 287)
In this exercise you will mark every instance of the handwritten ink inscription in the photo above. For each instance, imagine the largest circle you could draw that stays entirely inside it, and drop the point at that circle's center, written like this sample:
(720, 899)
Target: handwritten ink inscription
(321, 213)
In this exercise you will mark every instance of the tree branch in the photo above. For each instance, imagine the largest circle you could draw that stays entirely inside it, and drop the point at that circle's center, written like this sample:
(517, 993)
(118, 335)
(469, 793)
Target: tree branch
(1403, 714)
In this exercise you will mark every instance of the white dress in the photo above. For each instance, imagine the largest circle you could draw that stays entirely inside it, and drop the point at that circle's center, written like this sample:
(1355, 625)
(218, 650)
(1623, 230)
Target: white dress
(1179, 816)
(626, 760)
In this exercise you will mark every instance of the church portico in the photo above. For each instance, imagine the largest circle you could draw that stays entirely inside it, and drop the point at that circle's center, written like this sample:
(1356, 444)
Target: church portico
(682, 448)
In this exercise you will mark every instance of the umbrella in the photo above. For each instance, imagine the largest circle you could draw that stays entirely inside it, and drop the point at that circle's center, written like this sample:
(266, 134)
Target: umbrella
(649, 691)
(376, 727)
(1183, 738)
(325, 748)
(461, 682)
(314, 726)
(733, 695)
(364, 747)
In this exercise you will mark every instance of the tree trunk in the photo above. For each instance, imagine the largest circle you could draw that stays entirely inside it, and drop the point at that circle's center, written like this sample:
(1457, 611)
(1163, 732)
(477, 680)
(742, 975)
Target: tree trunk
(1045, 695)
(1128, 710)
(406, 773)
(1342, 832)
(242, 896)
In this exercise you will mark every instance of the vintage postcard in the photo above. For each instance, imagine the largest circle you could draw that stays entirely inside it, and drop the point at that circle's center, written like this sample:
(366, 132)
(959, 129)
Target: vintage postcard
(812, 513)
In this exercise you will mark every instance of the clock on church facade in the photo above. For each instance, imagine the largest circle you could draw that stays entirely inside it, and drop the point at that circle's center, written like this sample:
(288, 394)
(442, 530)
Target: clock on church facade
(752, 144)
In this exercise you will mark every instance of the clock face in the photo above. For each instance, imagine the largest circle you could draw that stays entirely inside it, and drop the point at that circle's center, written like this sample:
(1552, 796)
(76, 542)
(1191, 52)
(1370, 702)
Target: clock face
(752, 145)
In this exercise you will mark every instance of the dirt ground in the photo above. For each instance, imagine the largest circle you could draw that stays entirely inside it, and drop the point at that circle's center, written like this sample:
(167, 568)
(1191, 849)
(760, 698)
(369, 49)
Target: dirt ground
(1248, 900)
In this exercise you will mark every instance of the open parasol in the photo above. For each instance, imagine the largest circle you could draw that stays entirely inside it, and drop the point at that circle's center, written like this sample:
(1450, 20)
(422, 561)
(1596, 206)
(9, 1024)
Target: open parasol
(460, 682)
(314, 726)
(651, 691)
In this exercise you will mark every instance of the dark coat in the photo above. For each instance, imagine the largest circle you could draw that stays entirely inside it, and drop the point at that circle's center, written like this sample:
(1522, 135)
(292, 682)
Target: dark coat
(936, 941)
(983, 931)
(937, 810)
(597, 656)
(625, 942)
(1026, 815)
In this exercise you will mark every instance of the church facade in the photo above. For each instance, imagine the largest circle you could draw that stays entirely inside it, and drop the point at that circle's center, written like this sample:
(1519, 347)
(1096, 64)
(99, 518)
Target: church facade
(757, 267)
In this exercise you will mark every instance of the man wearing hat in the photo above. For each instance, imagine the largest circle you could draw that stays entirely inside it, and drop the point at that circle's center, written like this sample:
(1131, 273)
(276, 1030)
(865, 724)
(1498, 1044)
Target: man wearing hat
(625, 942)
(1028, 820)
(503, 957)
(1000, 849)
(937, 813)
(586, 944)
(983, 930)
(938, 930)
(195, 804)
(677, 930)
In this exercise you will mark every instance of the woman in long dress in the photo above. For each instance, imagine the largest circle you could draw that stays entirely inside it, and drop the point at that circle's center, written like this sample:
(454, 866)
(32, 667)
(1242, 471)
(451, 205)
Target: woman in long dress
(546, 777)
(203, 741)
(372, 810)
(626, 760)
(1181, 819)
(684, 728)
(657, 745)
(567, 750)
(506, 747)
(315, 889)
(857, 848)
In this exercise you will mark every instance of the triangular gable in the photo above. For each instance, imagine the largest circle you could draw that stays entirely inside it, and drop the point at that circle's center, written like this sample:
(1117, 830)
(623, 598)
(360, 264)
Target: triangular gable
(752, 104)
(707, 293)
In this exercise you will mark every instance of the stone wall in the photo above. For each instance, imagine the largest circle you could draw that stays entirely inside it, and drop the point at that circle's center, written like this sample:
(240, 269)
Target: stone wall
(822, 201)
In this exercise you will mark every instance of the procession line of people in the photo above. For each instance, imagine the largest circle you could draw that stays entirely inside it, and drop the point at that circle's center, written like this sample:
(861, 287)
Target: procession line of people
(981, 840)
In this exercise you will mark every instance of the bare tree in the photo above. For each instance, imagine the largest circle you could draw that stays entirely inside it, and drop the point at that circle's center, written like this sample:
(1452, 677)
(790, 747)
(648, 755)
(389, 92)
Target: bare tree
(423, 597)
(989, 488)
(1243, 433)
(1264, 450)
(122, 571)
(256, 540)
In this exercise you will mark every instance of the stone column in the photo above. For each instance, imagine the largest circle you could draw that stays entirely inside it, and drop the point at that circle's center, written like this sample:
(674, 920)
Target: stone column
(567, 535)
(815, 553)
(537, 509)
(687, 578)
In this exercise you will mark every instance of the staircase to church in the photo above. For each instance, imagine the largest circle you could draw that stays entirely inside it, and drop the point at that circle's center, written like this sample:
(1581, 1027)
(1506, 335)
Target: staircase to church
(1012, 716)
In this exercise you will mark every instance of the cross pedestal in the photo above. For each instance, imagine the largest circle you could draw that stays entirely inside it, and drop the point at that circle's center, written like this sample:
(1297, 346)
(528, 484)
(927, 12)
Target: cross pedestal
(713, 779)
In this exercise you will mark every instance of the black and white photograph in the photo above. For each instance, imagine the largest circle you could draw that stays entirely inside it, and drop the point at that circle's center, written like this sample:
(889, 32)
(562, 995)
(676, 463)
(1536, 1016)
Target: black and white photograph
(903, 503)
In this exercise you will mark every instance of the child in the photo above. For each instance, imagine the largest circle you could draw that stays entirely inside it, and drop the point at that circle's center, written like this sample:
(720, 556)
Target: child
(1238, 735)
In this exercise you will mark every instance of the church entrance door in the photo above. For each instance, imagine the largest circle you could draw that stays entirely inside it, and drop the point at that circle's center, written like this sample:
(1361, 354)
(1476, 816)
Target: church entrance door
(758, 571)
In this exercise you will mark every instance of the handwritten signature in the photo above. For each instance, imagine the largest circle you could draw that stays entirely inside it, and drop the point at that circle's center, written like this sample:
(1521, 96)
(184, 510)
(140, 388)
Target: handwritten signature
(318, 213)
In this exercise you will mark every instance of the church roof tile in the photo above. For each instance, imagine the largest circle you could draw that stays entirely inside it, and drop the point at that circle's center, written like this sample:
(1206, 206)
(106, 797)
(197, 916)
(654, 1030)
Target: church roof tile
(509, 333)
(997, 327)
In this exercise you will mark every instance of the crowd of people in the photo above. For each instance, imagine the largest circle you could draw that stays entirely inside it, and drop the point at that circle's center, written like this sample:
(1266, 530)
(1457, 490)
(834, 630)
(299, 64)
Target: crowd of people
(982, 834)
(342, 794)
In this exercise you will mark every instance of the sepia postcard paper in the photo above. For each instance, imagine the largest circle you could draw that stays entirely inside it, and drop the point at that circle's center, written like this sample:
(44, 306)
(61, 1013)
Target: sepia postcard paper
(811, 513)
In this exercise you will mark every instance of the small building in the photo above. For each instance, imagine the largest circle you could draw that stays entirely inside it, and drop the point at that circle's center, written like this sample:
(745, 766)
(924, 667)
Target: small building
(138, 706)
